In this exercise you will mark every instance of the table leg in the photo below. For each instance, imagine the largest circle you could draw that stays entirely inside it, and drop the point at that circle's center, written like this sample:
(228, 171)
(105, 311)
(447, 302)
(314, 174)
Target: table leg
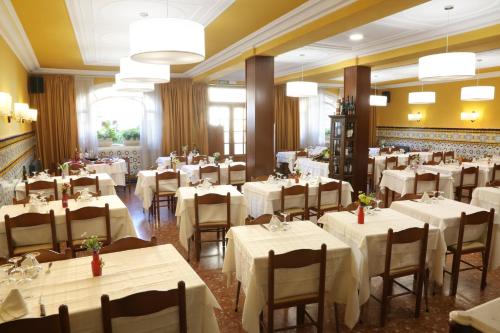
(386, 197)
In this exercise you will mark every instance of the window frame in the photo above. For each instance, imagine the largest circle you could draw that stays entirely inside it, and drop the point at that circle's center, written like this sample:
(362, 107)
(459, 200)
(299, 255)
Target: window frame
(232, 106)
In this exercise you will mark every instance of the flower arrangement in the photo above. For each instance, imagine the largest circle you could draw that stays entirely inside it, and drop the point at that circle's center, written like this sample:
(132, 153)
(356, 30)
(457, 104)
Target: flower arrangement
(91, 243)
(365, 199)
(65, 187)
(216, 156)
(64, 166)
(185, 149)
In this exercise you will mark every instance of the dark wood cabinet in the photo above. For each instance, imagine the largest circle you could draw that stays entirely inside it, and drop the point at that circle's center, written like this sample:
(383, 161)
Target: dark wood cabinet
(343, 134)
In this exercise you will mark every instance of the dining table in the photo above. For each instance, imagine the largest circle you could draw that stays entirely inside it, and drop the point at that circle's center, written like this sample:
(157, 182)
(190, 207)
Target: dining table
(309, 166)
(193, 173)
(185, 209)
(161, 267)
(116, 169)
(455, 171)
(146, 184)
(247, 257)
(368, 242)
(481, 318)
(120, 221)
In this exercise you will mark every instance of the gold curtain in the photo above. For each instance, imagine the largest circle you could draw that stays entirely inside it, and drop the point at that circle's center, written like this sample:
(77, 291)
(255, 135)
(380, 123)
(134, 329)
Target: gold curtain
(200, 117)
(56, 129)
(286, 115)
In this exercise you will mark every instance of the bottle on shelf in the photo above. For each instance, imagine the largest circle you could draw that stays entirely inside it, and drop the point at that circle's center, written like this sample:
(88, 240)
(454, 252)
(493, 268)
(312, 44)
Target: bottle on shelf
(353, 107)
(25, 175)
(337, 110)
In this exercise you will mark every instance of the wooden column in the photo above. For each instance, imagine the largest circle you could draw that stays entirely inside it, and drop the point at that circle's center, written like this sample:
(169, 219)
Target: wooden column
(357, 84)
(259, 75)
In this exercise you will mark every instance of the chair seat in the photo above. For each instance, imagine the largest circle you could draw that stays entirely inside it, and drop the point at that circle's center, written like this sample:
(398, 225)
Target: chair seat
(292, 210)
(32, 248)
(325, 206)
(213, 224)
(468, 246)
(294, 298)
(238, 182)
(403, 271)
(164, 193)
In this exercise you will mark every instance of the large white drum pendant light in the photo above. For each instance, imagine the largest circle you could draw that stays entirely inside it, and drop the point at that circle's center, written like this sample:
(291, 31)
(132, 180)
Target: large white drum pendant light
(167, 41)
(447, 66)
(477, 93)
(301, 89)
(133, 87)
(133, 71)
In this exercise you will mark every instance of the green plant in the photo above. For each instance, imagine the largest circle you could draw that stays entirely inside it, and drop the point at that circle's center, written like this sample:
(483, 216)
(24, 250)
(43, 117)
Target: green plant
(92, 243)
(108, 132)
(365, 199)
(131, 134)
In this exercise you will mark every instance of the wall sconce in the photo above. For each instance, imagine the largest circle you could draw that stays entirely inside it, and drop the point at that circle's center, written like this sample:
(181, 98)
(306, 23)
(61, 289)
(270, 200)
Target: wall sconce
(415, 117)
(6, 105)
(472, 116)
(21, 111)
(32, 115)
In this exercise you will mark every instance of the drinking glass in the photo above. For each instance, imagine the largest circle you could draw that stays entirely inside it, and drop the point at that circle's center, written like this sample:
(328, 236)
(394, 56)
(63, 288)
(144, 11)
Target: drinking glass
(441, 195)
(285, 221)
(17, 272)
(377, 207)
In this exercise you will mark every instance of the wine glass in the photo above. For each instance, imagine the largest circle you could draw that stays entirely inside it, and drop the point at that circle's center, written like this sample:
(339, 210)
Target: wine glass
(441, 195)
(16, 273)
(5, 278)
(377, 207)
(285, 221)
(33, 267)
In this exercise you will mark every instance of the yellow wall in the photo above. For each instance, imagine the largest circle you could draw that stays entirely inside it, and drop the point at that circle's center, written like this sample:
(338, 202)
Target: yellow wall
(13, 79)
(445, 113)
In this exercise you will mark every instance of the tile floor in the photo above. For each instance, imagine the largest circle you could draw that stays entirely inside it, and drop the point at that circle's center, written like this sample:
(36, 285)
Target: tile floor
(400, 318)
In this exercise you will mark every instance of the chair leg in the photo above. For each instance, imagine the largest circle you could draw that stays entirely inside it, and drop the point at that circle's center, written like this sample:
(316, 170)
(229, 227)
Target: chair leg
(261, 322)
(455, 271)
(189, 248)
(158, 209)
(420, 282)
(197, 241)
(484, 274)
(223, 243)
(301, 314)
(270, 321)
(238, 289)
(385, 292)
(426, 290)
(337, 322)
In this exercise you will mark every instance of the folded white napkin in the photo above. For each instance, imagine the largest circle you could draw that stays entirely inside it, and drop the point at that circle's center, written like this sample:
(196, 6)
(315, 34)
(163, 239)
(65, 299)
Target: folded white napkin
(13, 306)
(425, 198)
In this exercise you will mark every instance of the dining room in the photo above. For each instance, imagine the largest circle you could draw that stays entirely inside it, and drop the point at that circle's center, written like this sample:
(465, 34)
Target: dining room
(249, 166)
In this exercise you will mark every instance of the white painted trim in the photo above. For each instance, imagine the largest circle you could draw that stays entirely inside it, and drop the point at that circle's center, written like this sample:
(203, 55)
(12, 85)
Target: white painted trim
(84, 34)
(12, 31)
(419, 83)
(216, 10)
(85, 72)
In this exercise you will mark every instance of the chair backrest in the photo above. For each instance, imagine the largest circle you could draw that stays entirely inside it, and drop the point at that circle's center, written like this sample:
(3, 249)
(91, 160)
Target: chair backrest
(197, 159)
(328, 187)
(295, 190)
(399, 167)
(212, 199)
(426, 177)
(371, 165)
(236, 168)
(144, 303)
(412, 157)
(259, 178)
(27, 200)
(88, 213)
(410, 196)
(301, 153)
(208, 170)
(407, 236)
(293, 260)
(494, 183)
(127, 162)
(263, 219)
(385, 150)
(448, 155)
(391, 160)
(84, 181)
(181, 159)
(49, 255)
(437, 156)
(496, 173)
(431, 163)
(469, 171)
(128, 243)
(478, 218)
(57, 323)
(465, 159)
(28, 220)
(41, 185)
(350, 207)
(167, 175)
(76, 166)
(76, 195)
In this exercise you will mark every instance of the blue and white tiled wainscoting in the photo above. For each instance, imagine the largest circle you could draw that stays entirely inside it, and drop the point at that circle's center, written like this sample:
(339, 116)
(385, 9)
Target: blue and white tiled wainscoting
(464, 142)
(132, 152)
(15, 152)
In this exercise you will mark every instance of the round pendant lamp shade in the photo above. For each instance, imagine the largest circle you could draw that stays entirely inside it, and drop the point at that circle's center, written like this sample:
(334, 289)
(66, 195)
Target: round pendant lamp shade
(422, 97)
(477, 93)
(133, 87)
(167, 41)
(134, 71)
(447, 66)
(378, 100)
(301, 89)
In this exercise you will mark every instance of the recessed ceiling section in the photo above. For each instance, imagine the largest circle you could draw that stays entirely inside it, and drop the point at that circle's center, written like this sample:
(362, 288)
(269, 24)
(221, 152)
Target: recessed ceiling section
(102, 26)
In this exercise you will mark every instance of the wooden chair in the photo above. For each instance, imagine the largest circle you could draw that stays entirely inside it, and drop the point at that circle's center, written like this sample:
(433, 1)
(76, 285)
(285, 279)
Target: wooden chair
(469, 187)
(259, 178)
(144, 303)
(182, 159)
(263, 219)
(41, 185)
(33, 221)
(412, 157)
(300, 153)
(26, 200)
(210, 169)
(164, 193)
(238, 182)
(426, 177)
(49, 255)
(76, 195)
(370, 175)
(350, 207)
(84, 182)
(128, 243)
(496, 172)
(419, 271)
(385, 151)
(128, 175)
(295, 211)
(495, 183)
(86, 213)
(437, 156)
(320, 208)
(197, 159)
(389, 163)
(399, 167)
(57, 323)
(465, 159)
(219, 227)
(455, 327)
(482, 246)
(410, 196)
(448, 155)
(431, 163)
(294, 260)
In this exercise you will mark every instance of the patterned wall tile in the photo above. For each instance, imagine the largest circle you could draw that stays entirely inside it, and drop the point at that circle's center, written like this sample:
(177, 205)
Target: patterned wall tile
(133, 153)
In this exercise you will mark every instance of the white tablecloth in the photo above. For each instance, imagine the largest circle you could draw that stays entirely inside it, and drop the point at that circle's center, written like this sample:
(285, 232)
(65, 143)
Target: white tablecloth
(455, 171)
(369, 241)
(185, 209)
(402, 182)
(380, 164)
(161, 267)
(483, 317)
(193, 173)
(247, 255)
(445, 214)
(106, 184)
(265, 198)
(314, 168)
(146, 185)
(485, 166)
(115, 170)
(285, 157)
(121, 222)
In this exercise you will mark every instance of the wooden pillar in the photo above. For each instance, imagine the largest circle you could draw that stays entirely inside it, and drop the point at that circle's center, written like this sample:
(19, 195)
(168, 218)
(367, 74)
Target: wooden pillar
(259, 75)
(357, 84)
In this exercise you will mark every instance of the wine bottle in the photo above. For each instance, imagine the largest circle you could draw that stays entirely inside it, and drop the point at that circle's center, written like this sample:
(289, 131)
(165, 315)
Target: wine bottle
(25, 176)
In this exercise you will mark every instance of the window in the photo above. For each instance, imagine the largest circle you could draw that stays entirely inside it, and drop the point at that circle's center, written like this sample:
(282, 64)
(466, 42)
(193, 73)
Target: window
(227, 109)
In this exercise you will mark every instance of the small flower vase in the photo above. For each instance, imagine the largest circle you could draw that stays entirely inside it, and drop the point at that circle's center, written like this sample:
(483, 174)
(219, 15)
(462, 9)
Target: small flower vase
(174, 167)
(96, 264)
(297, 179)
(65, 198)
(361, 215)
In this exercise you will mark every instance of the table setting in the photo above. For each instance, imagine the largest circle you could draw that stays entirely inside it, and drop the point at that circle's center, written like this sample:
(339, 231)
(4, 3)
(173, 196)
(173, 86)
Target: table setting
(116, 168)
(193, 171)
(146, 184)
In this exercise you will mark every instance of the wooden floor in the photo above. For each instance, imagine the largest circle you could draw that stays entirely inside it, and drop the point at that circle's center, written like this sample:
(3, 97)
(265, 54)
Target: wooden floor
(400, 318)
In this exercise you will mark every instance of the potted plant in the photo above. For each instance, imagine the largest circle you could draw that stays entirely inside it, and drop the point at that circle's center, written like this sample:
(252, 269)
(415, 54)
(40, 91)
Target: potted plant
(92, 244)
(216, 156)
(106, 135)
(365, 200)
(131, 136)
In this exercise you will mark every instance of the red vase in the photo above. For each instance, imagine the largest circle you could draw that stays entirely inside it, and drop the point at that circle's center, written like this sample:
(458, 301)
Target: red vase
(65, 198)
(361, 215)
(96, 264)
